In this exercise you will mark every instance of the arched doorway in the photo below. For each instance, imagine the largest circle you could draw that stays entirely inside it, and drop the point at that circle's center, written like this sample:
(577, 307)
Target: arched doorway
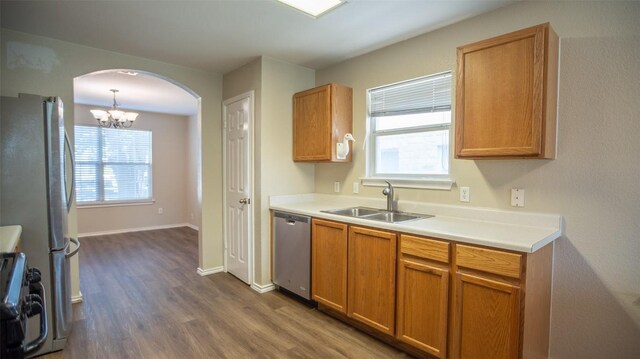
(167, 101)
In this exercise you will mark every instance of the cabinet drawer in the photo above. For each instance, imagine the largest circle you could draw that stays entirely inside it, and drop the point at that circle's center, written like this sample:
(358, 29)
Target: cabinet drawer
(424, 248)
(487, 260)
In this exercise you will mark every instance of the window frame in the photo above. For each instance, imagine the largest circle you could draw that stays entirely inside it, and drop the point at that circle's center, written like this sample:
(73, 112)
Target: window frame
(428, 181)
(100, 164)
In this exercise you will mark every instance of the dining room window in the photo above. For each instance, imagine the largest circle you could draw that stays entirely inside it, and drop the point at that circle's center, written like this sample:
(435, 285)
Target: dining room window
(112, 165)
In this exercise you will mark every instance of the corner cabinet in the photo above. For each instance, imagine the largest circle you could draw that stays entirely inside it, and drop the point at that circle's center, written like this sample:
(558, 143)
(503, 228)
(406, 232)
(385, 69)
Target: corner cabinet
(506, 96)
(492, 316)
(321, 118)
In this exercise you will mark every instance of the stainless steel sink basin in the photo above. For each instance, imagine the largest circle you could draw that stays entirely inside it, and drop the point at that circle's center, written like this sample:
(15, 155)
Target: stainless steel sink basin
(395, 217)
(377, 214)
(354, 211)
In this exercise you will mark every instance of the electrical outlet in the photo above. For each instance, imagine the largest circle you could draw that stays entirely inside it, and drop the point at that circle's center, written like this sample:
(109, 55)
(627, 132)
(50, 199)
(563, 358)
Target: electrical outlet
(517, 197)
(336, 187)
(160, 210)
(465, 194)
(356, 187)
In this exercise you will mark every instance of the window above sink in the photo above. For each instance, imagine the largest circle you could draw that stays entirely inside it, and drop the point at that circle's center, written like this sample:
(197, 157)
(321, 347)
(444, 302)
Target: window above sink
(408, 133)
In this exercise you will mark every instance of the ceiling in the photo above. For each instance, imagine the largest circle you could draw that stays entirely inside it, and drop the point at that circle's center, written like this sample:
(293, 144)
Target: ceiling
(142, 92)
(222, 35)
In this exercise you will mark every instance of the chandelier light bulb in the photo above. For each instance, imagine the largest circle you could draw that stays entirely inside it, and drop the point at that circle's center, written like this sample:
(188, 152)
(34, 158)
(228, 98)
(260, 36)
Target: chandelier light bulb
(114, 117)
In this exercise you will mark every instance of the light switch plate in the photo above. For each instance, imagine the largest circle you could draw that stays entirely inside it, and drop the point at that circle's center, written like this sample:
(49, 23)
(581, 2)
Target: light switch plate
(336, 187)
(517, 197)
(465, 194)
(356, 187)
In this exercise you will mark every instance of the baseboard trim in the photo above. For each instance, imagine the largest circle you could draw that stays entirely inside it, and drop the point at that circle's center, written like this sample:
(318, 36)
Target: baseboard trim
(262, 288)
(192, 226)
(139, 229)
(77, 298)
(209, 271)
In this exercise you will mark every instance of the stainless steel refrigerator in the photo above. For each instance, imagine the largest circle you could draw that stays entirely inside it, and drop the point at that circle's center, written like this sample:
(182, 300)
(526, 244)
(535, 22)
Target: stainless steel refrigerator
(36, 182)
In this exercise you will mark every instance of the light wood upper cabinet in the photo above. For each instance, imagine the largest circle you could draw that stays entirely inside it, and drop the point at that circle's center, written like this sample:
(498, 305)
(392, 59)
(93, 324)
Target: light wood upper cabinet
(423, 294)
(372, 278)
(506, 93)
(321, 118)
(329, 264)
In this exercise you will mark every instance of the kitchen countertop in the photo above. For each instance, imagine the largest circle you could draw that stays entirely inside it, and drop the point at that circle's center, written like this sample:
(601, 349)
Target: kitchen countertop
(513, 230)
(9, 237)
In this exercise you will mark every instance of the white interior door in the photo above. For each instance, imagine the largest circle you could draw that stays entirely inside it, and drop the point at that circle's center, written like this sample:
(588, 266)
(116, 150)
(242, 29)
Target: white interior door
(238, 218)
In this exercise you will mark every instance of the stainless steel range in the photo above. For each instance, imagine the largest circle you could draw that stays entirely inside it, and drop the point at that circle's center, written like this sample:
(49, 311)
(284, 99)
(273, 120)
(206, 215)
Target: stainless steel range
(23, 297)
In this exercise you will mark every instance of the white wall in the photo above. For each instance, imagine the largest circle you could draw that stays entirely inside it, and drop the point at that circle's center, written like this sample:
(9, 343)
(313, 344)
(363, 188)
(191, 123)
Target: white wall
(280, 175)
(592, 183)
(170, 175)
(193, 172)
(274, 83)
(40, 65)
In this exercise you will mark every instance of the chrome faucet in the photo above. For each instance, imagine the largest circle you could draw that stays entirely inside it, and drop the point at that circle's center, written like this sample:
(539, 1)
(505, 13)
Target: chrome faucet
(388, 191)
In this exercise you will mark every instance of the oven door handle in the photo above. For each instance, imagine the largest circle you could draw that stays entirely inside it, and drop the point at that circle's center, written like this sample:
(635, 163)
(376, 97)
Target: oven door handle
(44, 328)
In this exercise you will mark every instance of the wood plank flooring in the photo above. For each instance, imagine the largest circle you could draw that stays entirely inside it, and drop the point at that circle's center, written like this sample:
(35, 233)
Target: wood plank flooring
(143, 299)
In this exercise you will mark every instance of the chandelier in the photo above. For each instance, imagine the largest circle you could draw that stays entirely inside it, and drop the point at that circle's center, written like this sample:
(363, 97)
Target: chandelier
(114, 117)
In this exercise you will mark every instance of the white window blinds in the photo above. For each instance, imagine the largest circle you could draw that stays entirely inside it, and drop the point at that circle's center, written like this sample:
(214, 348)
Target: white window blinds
(112, 165)
(408, 129)
(423, 95)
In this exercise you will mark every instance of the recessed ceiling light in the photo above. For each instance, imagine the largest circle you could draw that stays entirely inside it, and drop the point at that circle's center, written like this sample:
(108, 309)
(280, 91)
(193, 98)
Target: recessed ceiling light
(314, 8)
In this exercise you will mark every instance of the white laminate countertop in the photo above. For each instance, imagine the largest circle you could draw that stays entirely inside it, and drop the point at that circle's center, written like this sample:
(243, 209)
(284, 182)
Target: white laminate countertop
(9, 237)
(513, 230)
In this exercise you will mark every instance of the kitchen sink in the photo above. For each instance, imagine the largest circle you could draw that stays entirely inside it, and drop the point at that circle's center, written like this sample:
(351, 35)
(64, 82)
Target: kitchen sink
(377, 214)
(395, 217)
(355, 211)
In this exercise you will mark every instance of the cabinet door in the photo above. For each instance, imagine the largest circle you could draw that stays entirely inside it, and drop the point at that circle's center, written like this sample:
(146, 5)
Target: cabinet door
(422, 306)
(329, 264)
(312, 125)
(372, 274)
(487, 318)
(505, 96)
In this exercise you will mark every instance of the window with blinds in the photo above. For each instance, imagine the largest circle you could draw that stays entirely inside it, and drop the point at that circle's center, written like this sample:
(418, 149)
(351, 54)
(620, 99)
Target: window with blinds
(112, 165)
(408, 128)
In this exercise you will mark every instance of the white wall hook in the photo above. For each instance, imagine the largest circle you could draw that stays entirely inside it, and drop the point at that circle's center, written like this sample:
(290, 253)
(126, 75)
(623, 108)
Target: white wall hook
(342, 148)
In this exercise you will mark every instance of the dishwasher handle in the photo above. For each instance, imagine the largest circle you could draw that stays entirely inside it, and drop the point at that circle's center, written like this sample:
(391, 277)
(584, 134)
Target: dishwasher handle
(291, 219)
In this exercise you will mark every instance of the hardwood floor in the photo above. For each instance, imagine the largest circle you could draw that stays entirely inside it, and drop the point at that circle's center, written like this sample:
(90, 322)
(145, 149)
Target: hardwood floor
(143, 299)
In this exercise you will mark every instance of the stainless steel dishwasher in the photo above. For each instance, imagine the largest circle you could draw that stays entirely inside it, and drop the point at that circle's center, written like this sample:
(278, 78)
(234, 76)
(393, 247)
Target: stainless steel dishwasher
(292, 253)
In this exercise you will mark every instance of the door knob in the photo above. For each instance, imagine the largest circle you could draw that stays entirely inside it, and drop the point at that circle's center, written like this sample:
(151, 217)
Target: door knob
(245, 200)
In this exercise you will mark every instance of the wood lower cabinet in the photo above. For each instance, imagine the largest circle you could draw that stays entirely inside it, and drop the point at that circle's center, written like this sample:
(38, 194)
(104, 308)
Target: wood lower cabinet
(439, 298)
(502, 303)
(321, 118)
(372, 278)
(329, 264)
(423, 294)
(487, 323)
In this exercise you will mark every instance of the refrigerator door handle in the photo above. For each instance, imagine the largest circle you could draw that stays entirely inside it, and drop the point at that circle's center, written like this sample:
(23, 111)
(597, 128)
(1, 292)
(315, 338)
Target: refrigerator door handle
(73, 171)
(77, 243)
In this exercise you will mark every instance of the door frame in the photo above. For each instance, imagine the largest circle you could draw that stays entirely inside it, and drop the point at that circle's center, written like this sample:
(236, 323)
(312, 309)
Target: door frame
(250, 221)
